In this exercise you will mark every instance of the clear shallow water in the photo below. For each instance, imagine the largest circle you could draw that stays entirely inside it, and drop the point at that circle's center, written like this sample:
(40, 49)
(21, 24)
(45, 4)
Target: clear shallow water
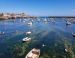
(56, 36)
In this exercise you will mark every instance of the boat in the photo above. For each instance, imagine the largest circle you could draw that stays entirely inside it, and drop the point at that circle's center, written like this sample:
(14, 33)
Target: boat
(45, 20)
(38, 19)
(29, 32)
(24, 21)
(26, 39)
(34, 53)
(43, 45)
(66, 50)
(73, 34)
(29, 23)
(32, 20)
(68, 23)
(1, 33)
(53, 21)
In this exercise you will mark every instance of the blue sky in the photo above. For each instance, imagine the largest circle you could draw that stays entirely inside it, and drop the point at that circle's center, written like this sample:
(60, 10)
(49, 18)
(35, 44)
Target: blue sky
(39, 7)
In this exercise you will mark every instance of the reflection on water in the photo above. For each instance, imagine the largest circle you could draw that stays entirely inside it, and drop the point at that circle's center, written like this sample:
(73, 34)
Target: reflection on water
(56, 36)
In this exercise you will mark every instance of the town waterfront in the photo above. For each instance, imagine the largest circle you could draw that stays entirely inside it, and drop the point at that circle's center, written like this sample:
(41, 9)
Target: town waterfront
(54, 39)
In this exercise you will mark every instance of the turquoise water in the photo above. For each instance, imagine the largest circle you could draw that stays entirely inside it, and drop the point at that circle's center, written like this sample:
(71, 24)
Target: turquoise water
(55, 36)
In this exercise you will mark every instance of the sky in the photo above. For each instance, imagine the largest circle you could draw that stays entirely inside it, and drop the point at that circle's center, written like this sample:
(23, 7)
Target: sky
(39, 7)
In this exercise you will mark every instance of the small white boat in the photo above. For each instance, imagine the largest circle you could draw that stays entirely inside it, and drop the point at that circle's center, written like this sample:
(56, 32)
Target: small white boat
(32, 20)
(34, 53)
(24, 21)
(45, 20)
(26, 39)
(68, 23)
(38, 20)
(53, 21)
(29, 32)
(1, 33)
(43, 45)
(73, 34)
(29, 23)
(66, 50)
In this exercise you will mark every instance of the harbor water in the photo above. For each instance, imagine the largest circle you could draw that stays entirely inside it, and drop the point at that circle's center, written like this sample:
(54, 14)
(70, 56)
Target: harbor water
(54, 39)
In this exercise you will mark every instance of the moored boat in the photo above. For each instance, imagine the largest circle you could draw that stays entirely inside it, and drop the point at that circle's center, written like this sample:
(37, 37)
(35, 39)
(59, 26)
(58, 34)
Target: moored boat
(26, 39)
(68, 23)
(1, 33)
(29, 23)
(73, 34)
(45, 20)
(34, 53)
(29, 32)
